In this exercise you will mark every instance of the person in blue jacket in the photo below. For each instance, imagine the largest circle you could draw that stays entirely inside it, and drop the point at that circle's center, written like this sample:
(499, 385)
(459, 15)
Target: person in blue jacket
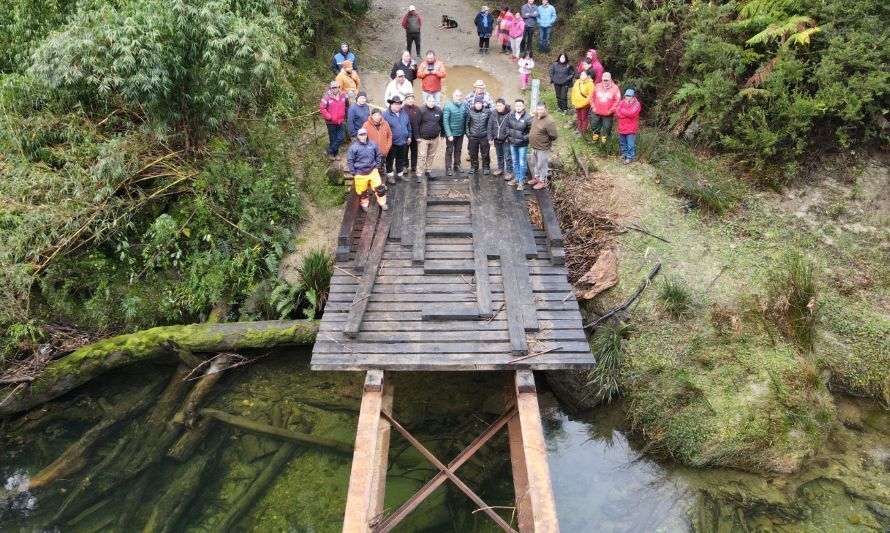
(398, 122)
(484, 28)
(341, 56)
(358, 113)
(546, 20)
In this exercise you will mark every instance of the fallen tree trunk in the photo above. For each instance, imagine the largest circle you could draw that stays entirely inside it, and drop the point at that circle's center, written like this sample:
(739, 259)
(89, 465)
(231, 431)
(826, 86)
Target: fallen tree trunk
(90, 361)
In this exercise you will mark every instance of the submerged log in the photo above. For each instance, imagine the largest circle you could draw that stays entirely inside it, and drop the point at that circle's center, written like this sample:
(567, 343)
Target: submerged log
(76, 456)
(258, 487)
(259, 428)
(189, 440)
(86, 363)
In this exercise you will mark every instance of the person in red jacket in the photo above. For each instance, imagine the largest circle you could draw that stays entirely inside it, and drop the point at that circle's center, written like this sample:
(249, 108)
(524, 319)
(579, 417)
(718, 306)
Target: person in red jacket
(333, 109)
(412, 21)
(603, 102)
(628, 113)
(431, 72)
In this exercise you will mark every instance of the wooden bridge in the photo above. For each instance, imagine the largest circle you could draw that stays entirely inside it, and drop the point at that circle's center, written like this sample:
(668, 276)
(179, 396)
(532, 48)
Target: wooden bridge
(460, 273)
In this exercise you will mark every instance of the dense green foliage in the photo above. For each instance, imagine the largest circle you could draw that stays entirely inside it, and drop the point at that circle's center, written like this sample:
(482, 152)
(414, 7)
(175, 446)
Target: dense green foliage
(144, 175)
(765, 80)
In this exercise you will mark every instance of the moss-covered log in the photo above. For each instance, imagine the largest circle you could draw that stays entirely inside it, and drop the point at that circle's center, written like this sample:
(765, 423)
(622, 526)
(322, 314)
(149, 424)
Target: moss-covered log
(90, 361)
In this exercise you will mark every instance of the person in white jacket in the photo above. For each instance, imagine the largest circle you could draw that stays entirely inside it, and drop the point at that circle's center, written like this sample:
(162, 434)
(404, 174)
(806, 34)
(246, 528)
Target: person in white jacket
(399, 86)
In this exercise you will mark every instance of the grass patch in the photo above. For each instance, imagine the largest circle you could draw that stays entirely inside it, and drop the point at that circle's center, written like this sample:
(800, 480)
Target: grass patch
(315, 277)
(676, 297)
(607, 346)
(792, 306)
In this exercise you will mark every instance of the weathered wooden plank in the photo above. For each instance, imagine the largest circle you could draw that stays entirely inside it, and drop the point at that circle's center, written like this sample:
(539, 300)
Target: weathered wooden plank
(525, 520)
(446, 201)
(393, 334)
(364, 242)
(449, 267)
(366, 285)
(449, 311)
(453, 293)
(361, 492)
(540, 488)
(397, 203)
(518, 212)
(480, 254)
(518, 343)
(471, 362)
(570, 326)
(419, 244)
(558, 256)
(551, 221)
(344, 237)
(409, 214)
(449, 230)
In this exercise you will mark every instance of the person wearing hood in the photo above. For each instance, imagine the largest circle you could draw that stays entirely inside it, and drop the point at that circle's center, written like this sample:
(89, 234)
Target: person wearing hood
(333, 109)
(561, 76)
(358, 114)
(519, 124)
(343, 55)
(399, 86)
(546, 20)
(628, 113)
(517, 30)
(349, 80)
(591, 63)
(379, 132)
(484, 28)
(581, 91)
(454, 120)
(603, 104)
(477, 136)
(497, 136)
(397, 118)
(407, 65)
(505, 19)
(363, 162)
(412, 21)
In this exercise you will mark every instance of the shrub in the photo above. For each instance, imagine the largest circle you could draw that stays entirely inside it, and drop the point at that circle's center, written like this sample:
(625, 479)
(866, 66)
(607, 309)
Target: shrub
(676, 296)
(792, 306)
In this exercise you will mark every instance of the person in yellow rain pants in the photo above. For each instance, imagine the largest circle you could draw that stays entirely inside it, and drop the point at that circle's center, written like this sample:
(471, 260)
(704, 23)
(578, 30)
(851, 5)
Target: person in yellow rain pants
(363, 161)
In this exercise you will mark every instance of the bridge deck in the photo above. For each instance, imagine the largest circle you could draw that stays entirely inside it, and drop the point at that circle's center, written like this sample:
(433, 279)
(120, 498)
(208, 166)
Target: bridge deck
(455, 276)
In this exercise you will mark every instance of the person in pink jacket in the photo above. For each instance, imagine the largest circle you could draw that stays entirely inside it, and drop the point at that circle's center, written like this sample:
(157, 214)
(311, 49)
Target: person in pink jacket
(591, 63)
(603, 103)
(517, 30)
(628, 113)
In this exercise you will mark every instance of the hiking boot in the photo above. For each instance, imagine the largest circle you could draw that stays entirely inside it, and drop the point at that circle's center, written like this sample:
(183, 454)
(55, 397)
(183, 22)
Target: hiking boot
(513, 181)
(474, 171)
(540, 185)
(391, 180)
(428, 175)
(448, 172)
(390, 174)
(533, 181)
(458, 169)
(520, 187)
(508, 176)
(595, 137)
(497, 172)
(486, 172)
(365, 208)
(384, 207)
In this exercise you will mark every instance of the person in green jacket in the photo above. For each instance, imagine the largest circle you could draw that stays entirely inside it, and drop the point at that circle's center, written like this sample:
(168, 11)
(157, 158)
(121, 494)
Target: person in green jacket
(454, 117)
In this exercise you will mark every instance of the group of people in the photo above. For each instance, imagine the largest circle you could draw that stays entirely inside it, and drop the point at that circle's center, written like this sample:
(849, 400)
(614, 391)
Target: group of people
(516, 29)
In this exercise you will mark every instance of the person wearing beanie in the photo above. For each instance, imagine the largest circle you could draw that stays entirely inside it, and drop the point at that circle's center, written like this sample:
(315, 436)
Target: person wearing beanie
(350, 83)
(399, 86)
(477, 136)
(412, 21)
(628, 113)
(380, 132)
(357, 114)
(540, 140)
(497, 136)
(363, 162)
(343, 55)
(580, 98)
(603, 103)
(333, 109)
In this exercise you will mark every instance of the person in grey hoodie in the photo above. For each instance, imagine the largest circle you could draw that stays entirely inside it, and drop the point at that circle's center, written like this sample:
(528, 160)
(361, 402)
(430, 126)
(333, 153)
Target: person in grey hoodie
(529, 14)
(497, 136)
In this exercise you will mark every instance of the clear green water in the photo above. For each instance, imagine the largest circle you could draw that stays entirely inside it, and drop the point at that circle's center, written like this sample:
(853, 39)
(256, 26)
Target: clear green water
(602, 480)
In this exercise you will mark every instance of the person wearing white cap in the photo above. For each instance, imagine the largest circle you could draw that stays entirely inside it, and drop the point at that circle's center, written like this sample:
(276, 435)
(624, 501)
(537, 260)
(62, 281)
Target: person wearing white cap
(333, 109)
(412, 21)
(399, 86)
(484, 28)
(363, 162)
(479, 90)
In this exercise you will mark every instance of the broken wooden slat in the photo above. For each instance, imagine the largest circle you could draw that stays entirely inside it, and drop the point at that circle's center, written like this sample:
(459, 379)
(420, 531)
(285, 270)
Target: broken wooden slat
(419, 244)
(366, 285)
(449, 311)
(449, 267)
(449, 230)
(480, 254)
(344, 238)
(548, 216)
(364, 242)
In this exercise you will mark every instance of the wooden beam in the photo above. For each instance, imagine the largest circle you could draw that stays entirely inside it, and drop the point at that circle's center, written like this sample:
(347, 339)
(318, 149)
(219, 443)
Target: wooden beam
(480, 250)
(548, 216)
(540, 486)
(396, 202)
(517, 461)
(409, 213)
(419, 244)
(364, 241)
(344, 238)
(362, 486)
(381, 461)
(369, 277)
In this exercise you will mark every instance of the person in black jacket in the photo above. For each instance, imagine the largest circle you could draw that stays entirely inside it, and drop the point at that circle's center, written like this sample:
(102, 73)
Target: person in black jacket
(497, 136)
(519, 123)
(477, 136)
(562, 74)
(414, 119)
(428, 132)
(484, 27)
(406, 65)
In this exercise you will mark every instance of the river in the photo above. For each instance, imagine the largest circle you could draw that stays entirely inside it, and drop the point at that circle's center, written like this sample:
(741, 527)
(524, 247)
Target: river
(603, 480)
